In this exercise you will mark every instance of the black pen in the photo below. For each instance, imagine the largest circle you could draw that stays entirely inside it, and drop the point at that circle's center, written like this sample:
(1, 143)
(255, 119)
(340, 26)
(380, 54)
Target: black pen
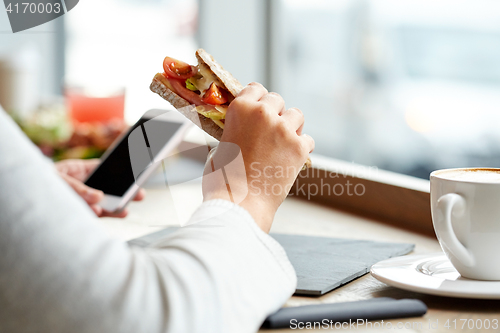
(358, 312)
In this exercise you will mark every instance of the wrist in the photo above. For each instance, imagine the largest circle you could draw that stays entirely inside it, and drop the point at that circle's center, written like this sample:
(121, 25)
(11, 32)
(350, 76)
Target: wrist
(262, 212)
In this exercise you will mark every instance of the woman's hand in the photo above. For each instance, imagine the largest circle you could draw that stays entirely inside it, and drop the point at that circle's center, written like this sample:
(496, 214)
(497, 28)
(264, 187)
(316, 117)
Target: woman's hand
(74, 172)
(273, 149)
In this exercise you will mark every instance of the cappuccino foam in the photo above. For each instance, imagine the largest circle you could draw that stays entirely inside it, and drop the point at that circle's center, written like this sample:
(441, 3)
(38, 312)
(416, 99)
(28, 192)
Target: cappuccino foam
(472, 175)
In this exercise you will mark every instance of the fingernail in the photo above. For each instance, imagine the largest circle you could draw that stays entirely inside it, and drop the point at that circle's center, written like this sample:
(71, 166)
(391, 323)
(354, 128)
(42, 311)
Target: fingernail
(97, 210)
(92, 194)
(211, 153)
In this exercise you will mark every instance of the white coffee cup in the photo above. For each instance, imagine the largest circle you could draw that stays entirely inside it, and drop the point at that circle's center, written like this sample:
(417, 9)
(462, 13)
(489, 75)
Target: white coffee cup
(465, 205)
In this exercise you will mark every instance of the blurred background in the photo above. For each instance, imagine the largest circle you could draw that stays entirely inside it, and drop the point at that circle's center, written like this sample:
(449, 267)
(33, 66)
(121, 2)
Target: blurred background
(408, 86)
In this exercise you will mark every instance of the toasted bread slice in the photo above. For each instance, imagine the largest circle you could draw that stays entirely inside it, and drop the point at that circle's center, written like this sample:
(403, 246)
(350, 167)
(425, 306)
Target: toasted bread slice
(221, 77)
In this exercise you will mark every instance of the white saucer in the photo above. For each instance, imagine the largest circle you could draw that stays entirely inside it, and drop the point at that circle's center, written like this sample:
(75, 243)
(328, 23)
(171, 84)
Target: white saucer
(432, 274)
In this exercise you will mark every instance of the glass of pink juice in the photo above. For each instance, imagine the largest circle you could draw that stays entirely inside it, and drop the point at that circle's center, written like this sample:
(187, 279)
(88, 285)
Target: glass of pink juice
(87, 107)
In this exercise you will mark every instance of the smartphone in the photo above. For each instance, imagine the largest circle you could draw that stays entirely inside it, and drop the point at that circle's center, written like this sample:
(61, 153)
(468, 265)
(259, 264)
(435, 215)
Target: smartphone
(134, 156)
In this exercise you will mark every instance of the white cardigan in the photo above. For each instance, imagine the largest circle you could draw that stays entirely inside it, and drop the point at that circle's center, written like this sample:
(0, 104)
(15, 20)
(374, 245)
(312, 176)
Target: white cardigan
(61, 272)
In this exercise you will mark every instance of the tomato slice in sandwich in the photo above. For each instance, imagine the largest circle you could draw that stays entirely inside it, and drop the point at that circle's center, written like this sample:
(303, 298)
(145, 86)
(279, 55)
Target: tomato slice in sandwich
(214, 95)
(190, 96)
(177, 69)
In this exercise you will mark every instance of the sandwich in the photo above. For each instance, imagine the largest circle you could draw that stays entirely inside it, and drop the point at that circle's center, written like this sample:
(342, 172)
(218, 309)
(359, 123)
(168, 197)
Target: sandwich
(207, 86)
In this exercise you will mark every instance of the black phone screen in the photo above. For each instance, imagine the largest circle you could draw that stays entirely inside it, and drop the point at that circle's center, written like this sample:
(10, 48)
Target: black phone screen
(118, 171)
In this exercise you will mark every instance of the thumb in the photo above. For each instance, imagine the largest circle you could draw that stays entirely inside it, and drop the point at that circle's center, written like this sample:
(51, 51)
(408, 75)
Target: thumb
(89, 194)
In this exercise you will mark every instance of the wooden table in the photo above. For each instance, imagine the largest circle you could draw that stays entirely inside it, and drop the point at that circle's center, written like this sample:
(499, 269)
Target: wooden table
(297, 216)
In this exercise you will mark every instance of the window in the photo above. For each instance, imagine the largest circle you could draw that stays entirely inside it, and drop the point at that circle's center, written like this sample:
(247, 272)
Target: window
(409, 86)
(122, 43)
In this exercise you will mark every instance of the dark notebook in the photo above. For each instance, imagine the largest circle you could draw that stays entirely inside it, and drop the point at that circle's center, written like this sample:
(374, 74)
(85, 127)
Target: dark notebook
(322, 264)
